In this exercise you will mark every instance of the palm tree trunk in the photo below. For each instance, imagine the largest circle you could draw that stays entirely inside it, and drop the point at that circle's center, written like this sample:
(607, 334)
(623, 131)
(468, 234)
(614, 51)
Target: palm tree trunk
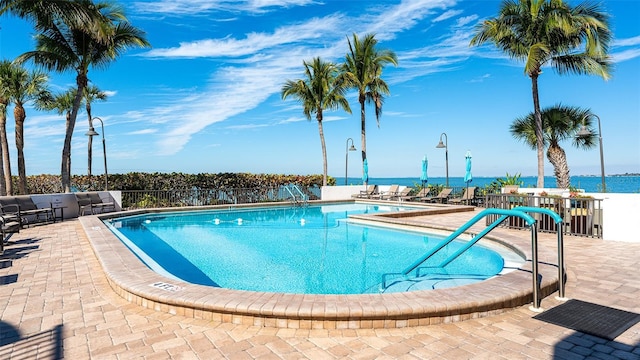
(558, 158)
(65, 168)
(5, 166)
(538, 130)
(324, 149)
(19, 115)
(363, 134)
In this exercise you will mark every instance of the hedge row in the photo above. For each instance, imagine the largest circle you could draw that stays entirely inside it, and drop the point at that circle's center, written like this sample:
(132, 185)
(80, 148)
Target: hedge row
(47, 184)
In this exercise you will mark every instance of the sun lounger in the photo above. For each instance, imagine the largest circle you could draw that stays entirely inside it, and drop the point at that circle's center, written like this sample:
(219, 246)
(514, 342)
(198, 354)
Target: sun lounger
(386, 195)
(372, 190)
(92, 202)
(402, 195)
(25, 209)
(423, 193)
(9, 225)
(467, 197)
(441, 197)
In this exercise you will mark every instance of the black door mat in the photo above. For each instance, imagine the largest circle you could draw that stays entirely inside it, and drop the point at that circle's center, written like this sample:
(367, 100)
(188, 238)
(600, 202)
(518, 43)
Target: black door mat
(601, 321)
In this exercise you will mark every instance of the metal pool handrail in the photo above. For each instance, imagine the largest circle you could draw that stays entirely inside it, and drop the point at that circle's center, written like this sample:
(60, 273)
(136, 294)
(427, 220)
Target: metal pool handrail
(558, 220)
(530, 221)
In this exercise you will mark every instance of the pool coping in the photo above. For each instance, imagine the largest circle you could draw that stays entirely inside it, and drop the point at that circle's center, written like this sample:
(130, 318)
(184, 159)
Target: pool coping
(134, 281)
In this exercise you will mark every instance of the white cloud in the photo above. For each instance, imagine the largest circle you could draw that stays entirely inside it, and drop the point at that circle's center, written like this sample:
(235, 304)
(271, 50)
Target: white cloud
(259, 63)
(197, 7)
(447, 15)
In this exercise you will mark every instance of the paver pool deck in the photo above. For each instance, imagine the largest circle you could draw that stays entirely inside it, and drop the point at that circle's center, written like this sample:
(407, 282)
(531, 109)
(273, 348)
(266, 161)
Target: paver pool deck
(56, 302)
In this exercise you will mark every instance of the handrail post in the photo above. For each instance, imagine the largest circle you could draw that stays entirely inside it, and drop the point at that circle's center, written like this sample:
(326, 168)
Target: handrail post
(561, 272)
(534, 269)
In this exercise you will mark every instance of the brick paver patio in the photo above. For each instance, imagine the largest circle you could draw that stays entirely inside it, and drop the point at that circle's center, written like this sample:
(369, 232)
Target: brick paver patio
(55, 303)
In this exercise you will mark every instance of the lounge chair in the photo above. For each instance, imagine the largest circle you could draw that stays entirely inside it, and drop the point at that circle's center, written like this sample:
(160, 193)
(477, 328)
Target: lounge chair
(386, 195)
(441, 197)
(92, 201)
(402, 195)
(9, 225)
(25, 209)
(424, 192)
(372, 190)
(467, 197)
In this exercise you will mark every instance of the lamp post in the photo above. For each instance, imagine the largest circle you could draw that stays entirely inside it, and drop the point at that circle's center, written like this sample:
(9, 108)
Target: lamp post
(92, 132)
(445, 145)
(584, 131)
(346, 161)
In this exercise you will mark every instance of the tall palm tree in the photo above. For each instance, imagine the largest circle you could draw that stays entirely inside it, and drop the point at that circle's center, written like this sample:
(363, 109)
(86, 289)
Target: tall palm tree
(362, 70)
(91, 93)
(20, 87)
(317, 92)
(79, 46)
(559, 123)
(6, 188)
(549, 32)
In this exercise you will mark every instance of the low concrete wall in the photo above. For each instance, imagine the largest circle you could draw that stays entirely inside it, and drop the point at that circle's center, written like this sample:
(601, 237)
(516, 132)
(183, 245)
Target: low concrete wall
(66, 204)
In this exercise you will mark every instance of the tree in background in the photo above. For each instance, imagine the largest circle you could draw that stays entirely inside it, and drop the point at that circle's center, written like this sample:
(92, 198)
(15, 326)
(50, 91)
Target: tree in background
(559, 123)
(317, 92)
(549, 32)
(21, 86)
(362, 70)
(97, 35)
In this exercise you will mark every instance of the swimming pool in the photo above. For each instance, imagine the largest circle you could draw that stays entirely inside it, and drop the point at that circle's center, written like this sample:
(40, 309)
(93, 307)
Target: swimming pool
(304, 250)
(137, 284)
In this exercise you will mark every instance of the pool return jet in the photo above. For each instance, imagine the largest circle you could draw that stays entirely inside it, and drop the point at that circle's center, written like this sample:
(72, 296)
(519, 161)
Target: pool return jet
(521, 212)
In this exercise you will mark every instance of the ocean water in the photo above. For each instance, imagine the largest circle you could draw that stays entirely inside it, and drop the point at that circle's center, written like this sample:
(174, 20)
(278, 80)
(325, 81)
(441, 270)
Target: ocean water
(615, 184)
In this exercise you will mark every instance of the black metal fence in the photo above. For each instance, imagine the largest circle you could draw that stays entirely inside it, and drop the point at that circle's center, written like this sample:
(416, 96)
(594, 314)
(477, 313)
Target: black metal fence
(140, 199)
(581, 216)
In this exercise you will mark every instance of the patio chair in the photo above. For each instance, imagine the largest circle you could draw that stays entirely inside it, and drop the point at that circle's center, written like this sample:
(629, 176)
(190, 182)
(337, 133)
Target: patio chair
(402, 195)
(467, 197)
(25, 209)
(9, 225)
(424, 192)
(372, 190)
(92, 201)
(386, 195)
(442, 197)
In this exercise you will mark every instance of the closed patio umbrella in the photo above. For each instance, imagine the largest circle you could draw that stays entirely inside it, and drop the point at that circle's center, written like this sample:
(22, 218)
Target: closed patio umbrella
(365, 172)
(467, 175)
(424, 177)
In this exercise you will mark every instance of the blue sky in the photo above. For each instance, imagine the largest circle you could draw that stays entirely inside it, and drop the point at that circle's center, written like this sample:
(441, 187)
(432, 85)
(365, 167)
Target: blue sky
(206, 96)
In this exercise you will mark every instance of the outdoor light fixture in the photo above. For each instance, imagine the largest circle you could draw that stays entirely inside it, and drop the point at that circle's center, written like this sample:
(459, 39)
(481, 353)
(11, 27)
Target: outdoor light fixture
(584, 131)
(92, 132)
(346, 161)
(445, 145)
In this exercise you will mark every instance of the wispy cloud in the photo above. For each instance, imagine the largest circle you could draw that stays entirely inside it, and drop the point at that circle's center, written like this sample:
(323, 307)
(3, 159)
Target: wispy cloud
(258, 64)
(197, 7)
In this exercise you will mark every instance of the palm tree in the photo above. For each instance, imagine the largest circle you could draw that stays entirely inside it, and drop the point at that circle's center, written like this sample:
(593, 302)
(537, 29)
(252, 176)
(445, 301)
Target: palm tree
(76, 45)
(549, 32)
(362, 70)
(91, 93)
(559, 123)
(6, 188)
(319, 91)
(21, 86)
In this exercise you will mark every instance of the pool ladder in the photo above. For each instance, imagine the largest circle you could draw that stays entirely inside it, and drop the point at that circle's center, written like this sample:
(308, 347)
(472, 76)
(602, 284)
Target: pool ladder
(521, 212)
(295, 192)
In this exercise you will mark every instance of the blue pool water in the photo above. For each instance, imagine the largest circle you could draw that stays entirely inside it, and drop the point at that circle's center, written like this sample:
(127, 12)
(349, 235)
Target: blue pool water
(310, 250)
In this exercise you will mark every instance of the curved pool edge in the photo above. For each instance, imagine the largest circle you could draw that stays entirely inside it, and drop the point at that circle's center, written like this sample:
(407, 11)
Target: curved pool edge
(134, 281)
